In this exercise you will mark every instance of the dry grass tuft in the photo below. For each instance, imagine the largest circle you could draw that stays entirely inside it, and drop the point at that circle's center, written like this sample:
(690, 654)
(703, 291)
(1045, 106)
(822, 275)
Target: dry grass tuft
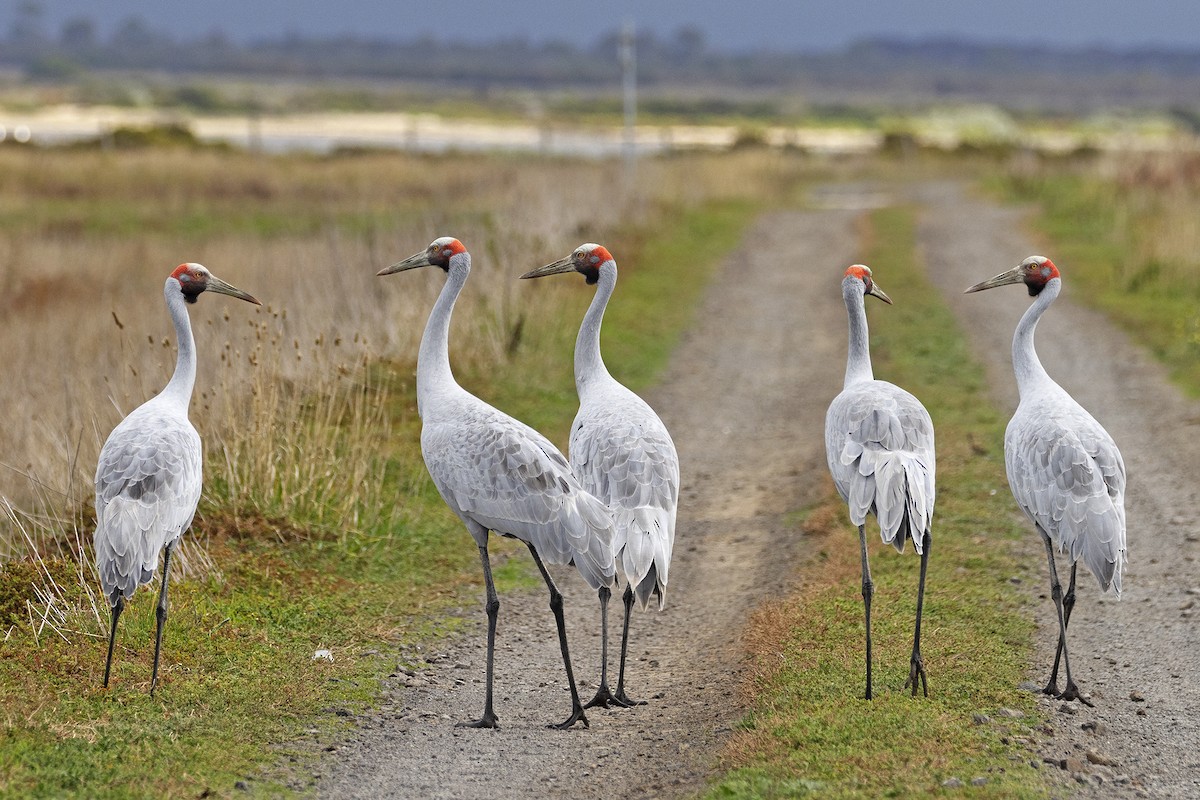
(298, 401)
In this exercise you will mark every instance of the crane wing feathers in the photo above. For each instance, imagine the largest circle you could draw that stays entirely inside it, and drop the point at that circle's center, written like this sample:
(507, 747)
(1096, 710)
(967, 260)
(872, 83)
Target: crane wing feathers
(148, 482)
(624, 455)
(510, 479)
(879, 445)
(1067, 475)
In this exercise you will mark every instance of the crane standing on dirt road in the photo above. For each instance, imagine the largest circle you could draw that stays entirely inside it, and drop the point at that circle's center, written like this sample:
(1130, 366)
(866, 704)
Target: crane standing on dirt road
(1064, 469)
(148, 478)
(498, 474)
(622, 453)
(879, 446)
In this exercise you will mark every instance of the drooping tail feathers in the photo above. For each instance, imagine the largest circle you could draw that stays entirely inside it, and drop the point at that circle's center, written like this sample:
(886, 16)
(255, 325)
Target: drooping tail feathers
(894, 486)
(644, 537)
(588, 526)
(128, 540)
(1092, 532)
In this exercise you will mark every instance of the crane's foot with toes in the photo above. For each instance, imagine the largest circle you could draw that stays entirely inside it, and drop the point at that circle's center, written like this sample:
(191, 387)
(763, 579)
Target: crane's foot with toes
(606, 699)
(577, 715)
(916, 673)
(488, 720)
(1072, 693)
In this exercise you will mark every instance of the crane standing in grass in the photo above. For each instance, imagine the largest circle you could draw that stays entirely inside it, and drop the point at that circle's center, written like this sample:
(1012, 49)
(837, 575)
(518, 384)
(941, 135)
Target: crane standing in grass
(148, 478)
(879, 445)
(624, 455)
(498, 474)
(1064, 470)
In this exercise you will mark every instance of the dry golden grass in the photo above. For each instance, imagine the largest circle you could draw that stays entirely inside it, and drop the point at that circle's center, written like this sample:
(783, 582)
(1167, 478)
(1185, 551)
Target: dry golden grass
(290, 401)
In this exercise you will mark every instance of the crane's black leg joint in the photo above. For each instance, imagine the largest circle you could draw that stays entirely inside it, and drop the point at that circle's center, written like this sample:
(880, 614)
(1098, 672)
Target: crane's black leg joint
(621, 698)
(604, 695)
(117, 608)
(556, 605)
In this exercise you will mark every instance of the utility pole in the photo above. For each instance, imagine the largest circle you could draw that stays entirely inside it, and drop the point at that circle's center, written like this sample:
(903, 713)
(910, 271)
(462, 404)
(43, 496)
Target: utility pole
(628, 59)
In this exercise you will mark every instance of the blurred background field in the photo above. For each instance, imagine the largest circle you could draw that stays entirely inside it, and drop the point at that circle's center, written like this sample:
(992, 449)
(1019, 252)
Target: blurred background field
(296, 167)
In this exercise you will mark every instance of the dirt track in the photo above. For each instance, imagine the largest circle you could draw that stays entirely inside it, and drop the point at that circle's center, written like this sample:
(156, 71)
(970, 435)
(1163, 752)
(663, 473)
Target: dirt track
(1149, 641)
(745, 398)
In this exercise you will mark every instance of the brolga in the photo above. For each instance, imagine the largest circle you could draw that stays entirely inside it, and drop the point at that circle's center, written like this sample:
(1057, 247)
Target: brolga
(149, 476)
(498, 474)
(879, 446)
(1063, 468)
(623, 454)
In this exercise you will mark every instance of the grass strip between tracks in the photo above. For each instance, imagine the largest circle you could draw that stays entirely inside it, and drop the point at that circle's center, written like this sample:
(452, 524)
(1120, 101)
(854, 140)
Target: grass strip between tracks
(810, 730)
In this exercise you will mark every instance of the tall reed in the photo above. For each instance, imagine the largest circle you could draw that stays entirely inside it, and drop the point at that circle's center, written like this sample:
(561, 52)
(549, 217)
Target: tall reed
(298, 402)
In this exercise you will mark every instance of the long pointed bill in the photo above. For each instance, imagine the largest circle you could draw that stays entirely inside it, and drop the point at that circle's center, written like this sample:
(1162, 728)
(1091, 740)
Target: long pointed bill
(880, 293)
(412, 262)
(562, 265)
(1014, 275)
(219, 286)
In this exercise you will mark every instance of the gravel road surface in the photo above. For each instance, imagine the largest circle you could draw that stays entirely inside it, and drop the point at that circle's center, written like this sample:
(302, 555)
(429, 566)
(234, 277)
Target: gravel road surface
(745, 397)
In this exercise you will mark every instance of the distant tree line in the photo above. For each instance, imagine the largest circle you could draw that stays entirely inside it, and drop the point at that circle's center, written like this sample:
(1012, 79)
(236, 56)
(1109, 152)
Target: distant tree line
(879, 70)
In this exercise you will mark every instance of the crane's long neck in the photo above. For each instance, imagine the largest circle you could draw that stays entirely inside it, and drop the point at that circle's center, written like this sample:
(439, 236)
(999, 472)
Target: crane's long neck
(179, 390)
(1028, 368)
(858, 357)
(433, 359)
(589, 364)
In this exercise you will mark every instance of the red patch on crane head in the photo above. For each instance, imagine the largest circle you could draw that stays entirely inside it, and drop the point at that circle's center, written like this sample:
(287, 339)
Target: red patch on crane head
(598, 255)
(181, 270)
(193, 279)
(441, 250)
(1037, 271)
(1043, 269)
(447, 246)
(860, 271)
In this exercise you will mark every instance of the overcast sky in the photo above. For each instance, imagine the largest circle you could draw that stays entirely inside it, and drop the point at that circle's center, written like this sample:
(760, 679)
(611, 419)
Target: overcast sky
(739, 25)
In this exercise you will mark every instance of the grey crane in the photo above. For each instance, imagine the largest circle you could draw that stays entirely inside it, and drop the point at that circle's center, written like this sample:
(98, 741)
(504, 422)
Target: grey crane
(879, 446)
(1064, 470)
(498, 474)
(622, 453)
(148, 478)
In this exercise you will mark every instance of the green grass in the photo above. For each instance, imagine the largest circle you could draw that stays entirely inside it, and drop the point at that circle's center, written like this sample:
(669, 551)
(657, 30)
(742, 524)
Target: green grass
(238, 675)
(810, 731)
(1120, 248)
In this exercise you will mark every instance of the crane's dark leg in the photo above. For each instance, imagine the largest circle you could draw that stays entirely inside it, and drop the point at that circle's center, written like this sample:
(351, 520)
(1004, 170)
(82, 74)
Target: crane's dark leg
(603, 695)
(1068, 604)
(623, 699)
(489, 719)
(1071, 692)
(112, 635)
(556, 605)
(868, 591)
(916, 669)
(161, 614)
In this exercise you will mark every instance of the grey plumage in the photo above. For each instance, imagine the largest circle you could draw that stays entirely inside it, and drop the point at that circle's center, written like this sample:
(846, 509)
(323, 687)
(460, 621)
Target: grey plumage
(1067, 475)
(148, 483)
(623, 454)
(498, 474)
(1064, 469)
(879, 445)
(503, 475)
(148, 478)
